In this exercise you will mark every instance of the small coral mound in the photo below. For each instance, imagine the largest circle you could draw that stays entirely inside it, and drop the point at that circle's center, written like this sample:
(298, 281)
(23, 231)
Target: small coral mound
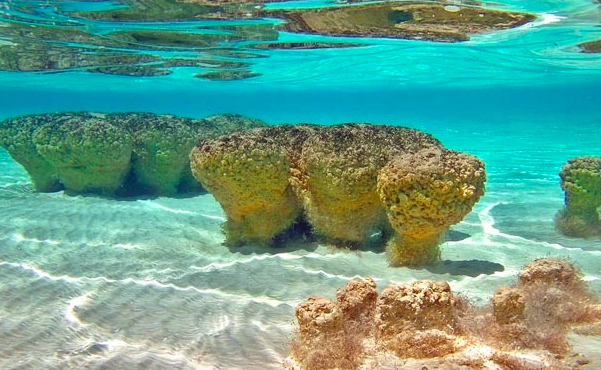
(416, 320)
(112, 154)
(342, 325)
(423, 324)
(348, 182)
(581, 182)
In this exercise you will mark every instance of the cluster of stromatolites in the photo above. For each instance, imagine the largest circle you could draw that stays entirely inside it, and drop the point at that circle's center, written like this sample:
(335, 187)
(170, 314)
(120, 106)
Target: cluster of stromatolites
(124, 153)
(347, 181)
(524, 327)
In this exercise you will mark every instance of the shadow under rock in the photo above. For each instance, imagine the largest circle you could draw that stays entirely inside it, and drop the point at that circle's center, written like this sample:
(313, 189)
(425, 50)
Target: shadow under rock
(298, 237)
(470, 268)
(455, 236)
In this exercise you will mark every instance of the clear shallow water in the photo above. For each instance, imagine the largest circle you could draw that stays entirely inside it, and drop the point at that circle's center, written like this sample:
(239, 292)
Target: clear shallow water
(89, 282)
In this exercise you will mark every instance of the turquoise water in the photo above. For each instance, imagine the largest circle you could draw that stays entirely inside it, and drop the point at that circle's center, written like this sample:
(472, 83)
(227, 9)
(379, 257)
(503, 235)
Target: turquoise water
(91, 282)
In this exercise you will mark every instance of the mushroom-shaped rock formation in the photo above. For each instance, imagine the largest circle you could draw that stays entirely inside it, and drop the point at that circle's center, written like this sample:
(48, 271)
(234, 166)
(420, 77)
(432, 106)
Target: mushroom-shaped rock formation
(248, 174)
(425, 193)
(424, 325)
(581, 182)
(348, 181)
(338, 174)
(87, 152)
(161, 149)
(16, 136)
(125, 153)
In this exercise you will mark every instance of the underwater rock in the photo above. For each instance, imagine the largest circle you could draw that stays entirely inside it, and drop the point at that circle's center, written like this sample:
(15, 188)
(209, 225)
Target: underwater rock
(322, 321)
(348, 181)
(88, 153)
(417, 21)
(112, 154)
(416, 320)
(508, 305)
(161, 148)
(552, 272)
(591, 46)
(581, 183)
(304, 45)
(338, 173)
(358, 300)
(16, 137)
(227, 75)
(424, 324)
(319, 318)
(424, 194)
(248, 174)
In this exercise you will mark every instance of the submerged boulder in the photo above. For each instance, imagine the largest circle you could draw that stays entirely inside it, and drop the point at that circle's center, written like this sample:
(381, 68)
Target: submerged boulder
(248, 174)
(160, 151)
(16, 137)
(425, 193)
(338, 175)
(112, 154)
(581, 183)
(347, 181)
(87, 152)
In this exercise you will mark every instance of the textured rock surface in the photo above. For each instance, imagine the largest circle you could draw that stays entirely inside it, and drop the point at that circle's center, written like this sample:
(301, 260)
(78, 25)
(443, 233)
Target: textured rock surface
(319, 318)
(357, 301)
(124, 153)
(424, 325)
(508, 305)
(424, 194)
(581, 183)
(88, 153)
(416, 306)
(16, 136)
(339, 173)
(248, 174)
(350, 181)
(416, 21)
(550, 271)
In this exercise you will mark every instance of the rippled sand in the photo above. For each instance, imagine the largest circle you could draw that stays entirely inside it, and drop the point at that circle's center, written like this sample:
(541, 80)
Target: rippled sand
(89, 282)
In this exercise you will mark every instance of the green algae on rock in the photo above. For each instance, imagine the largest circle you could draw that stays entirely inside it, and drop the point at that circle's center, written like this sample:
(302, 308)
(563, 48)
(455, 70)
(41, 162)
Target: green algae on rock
(16, 136)
(591, 46)
(349, 181)
(304, 45)
(581, 183)
(88, 153)
(227, 75)
(415, 21)
(112, 154)
(150, 10)
(30, 48)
